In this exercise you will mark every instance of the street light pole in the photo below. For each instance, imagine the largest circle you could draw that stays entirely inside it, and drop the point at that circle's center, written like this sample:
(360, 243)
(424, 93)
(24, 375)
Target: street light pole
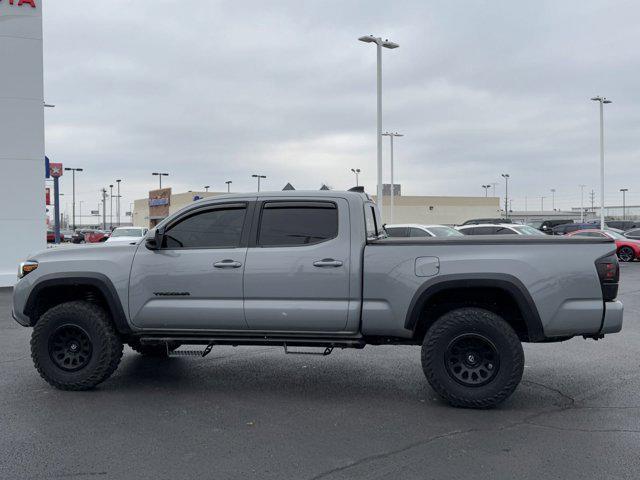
(73, 200)
(542, 203)
(506, 194)
(118, 202)
(228, 182)
(258, 177)
(356, 171)
(553, 199)
(379, 44)
(624, 191)
(602, 101)
(206, 188)
(160, 175)
(104, 208)
(391, 135)
(111, 207)
(582, 203)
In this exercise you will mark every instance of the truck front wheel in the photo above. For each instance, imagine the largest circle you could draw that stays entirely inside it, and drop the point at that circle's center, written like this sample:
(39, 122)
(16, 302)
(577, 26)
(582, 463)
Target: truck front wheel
(74, 346)
(472, 358)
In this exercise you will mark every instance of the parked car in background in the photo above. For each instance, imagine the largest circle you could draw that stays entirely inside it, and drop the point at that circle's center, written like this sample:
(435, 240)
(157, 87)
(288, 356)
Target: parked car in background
(503, 229)
(416, 230)
(482, 221)
(96, 236)
(126, 234)
(627, 249)
(547, 225)
(634, 234)
(623, 225)
(51, 237)
(80, 234)
(570, 227)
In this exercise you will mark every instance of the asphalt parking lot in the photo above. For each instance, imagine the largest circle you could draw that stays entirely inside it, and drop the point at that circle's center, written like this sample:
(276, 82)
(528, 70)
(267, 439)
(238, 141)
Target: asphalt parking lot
(253, 412)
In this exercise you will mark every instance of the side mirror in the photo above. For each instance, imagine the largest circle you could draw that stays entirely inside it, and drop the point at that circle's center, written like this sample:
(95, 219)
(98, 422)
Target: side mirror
(155, 242)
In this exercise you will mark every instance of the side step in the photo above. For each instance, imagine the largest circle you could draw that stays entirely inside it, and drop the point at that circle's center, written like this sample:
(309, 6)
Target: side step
(324, 353)
(189, 353)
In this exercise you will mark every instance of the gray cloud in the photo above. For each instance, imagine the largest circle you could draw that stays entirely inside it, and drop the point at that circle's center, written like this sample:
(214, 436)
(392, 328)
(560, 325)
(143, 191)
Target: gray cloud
(211, 91)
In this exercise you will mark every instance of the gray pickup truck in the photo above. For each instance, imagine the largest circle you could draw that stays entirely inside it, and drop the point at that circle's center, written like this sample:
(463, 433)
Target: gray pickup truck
(315, 269)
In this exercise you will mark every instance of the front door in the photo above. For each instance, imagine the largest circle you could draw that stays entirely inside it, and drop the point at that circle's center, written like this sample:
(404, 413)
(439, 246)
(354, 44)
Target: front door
(297, 268)
(194, 281)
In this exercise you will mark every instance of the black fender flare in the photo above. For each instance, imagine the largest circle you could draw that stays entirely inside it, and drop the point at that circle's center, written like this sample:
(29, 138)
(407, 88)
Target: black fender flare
(502, 281)
(93, 279)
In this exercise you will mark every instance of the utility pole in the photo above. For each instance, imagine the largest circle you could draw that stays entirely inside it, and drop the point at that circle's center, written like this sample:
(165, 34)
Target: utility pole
(582, 203)
(624, 191)
(506, 194)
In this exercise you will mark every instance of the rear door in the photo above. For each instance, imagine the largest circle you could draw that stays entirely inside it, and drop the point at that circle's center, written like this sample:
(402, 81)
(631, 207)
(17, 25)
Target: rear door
(297, 267)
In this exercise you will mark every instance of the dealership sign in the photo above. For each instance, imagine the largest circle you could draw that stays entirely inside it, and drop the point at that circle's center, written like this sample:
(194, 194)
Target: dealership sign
(20, 2)
(55, 169)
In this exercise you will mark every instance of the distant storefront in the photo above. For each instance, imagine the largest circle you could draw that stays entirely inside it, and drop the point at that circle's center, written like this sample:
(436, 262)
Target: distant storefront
(159, 202)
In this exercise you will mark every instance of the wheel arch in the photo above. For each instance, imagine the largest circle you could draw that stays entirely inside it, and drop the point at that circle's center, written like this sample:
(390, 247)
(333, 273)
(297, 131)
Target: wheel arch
(76, 286)
(474, 288)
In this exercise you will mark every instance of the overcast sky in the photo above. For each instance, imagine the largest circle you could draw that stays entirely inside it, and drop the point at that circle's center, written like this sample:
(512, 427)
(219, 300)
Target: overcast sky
(213, 91)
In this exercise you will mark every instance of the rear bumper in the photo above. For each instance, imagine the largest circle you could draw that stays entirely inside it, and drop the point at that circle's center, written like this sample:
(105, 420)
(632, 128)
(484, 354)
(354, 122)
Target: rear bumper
(612, 321)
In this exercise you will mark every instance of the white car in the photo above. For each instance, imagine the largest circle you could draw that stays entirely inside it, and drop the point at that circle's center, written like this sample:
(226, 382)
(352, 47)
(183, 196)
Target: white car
(127, 234)
(499, 229)
(416, 230)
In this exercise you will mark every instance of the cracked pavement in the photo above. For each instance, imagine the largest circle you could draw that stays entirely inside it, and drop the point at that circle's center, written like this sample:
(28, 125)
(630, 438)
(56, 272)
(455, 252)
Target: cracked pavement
(252, 412)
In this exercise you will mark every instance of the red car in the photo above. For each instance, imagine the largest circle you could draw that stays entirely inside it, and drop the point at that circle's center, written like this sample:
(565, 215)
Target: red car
(628, 250)
(51, 236)
(96, 236)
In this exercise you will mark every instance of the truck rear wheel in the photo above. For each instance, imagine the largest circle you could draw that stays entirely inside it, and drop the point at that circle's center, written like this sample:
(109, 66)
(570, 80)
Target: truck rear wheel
(472, 358)
(74, 346)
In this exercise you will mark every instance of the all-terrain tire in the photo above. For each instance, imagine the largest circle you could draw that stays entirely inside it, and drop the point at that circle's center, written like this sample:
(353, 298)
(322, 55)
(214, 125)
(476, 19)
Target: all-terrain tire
(96, 331)
(159, 350)
(498, 357)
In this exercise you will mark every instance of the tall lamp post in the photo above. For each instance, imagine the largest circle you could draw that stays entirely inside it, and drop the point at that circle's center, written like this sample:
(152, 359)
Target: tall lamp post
(111, 207)
(73, 195)
(206, 188)
(391, 135)
(379, 44)
(486, 190)
(553, 199)
(602, 101)
(258, 177)
(356, 171)
(160, 175)
(118, 203)
(228, 182)
(506, 194)
(624, 191)
(582, 203)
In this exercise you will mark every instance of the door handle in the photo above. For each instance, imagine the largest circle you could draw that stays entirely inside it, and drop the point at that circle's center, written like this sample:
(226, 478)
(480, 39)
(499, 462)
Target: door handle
(227, 264)
(327, 262)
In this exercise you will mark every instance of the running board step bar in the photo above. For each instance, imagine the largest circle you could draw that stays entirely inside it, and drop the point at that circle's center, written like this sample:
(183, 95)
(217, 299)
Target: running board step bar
(189, 353)
(324, 353)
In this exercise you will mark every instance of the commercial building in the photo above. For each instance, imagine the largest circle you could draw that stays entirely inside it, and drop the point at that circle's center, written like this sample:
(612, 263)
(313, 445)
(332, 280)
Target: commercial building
(147, 212)
(22, 221)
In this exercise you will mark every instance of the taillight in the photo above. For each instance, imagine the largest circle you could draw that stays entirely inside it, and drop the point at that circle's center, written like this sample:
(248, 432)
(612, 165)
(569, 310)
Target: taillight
(609, 275)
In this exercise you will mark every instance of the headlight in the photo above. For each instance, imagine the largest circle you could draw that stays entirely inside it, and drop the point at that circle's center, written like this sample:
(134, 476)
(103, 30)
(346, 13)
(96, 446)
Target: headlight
(27, 267)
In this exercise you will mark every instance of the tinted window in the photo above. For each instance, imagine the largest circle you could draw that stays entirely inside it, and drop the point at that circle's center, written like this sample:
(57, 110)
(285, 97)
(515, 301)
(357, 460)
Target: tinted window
(295, 224)
(444, 232)
(588, 234)
(484, 231)
(505, 231)
(370, 222)
(396, 231)
(467, 231)
(416, 232)
(213, 228)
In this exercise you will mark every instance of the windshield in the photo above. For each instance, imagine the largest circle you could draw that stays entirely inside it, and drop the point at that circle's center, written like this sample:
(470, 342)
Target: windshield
(527, 230)
(615, 235)
(536, 223)
(443, 231)
(127, 232)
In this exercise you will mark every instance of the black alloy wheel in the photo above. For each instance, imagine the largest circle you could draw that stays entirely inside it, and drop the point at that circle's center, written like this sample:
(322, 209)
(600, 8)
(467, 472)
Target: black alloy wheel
(70, 348)
(472, 360)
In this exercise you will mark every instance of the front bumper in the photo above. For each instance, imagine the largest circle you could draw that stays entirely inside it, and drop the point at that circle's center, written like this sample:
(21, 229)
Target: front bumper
(612, 320)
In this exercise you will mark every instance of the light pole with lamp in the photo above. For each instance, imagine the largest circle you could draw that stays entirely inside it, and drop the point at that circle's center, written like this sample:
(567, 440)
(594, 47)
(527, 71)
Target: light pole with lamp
(118, 202)
(356, 171)
(553, 199)
(391, 135)
(206, 188)
(624, 191)
(73, 200)
(379, 44)
(486, 190)
(602, 101)
(228, 182)
(582, 203)
(506, 194)
(110, 207)
(160, 175)
(258, 177)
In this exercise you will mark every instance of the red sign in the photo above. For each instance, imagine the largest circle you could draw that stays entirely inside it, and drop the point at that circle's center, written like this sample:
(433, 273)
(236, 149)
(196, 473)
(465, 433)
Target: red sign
(55, 169)
(23, 2)
(47, 196)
